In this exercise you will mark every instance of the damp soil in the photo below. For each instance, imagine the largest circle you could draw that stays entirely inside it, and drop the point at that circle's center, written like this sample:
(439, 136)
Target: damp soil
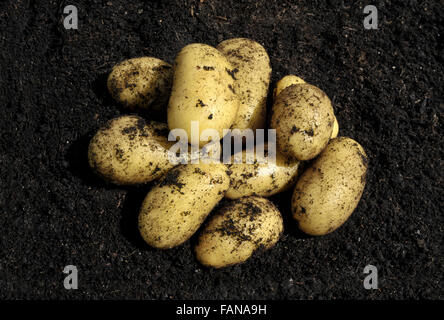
(386, 86)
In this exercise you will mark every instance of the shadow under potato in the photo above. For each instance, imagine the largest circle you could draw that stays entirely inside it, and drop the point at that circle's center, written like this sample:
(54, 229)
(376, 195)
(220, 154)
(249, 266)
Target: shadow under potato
(100, 88)
(77, 158)
(283, 203)
(129, 224)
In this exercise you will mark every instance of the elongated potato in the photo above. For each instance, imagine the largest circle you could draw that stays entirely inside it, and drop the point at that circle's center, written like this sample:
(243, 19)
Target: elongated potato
(328, 192)
(237, 230)
(129, 151)
(303, 118)
(141, 83)
(261, 178)
(290, 80)
(252, 71)
(203, 91)
(175, 208)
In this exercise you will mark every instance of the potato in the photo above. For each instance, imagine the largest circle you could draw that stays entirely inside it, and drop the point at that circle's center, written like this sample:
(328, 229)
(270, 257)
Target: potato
(129, 151)
(175, 208)
(237, 230)
(203, 91)
(290, 80)
(303, 118)
(252, 72)
(327, 192)
(262, 178)
(141, 83)
(335, 131)
(286, 82)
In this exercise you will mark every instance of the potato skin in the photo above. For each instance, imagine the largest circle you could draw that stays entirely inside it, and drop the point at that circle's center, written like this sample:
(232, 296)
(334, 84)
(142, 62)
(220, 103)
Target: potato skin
(335, 131)
(203, 90)
(237, 230)
(290, 80)
(286, 82)
(141, 83)
(303, 118)
(253, 71)
(261, 179)
(175, 208)
(329, 190)
(130, 151)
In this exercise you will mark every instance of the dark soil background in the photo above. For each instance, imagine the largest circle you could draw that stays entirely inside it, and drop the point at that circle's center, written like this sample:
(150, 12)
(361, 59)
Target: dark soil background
(387, 90)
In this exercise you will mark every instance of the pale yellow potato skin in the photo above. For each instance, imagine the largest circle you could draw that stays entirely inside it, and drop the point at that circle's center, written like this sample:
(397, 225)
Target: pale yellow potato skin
(290, 80)
(335, 131)
(329, 190)
(174, 209)
(130, 151)
(141, 83)
(261, 179)
(253, 70)
(303, 118)
(237, 230)
(286, 82)
(203, 90)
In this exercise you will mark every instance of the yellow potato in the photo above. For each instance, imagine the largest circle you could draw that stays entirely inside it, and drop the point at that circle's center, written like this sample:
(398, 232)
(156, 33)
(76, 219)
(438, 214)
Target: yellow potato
(290, 80)
(175, 208)
(237, 230)
(286, 82)
(328, 192)
(335, 131)
(129, 151)
(263, 177)
(252, 71)
(203, 91)
(141, 83)
(303, 118)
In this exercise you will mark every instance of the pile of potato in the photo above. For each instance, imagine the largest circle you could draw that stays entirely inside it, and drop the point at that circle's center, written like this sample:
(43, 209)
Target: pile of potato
(222, 88)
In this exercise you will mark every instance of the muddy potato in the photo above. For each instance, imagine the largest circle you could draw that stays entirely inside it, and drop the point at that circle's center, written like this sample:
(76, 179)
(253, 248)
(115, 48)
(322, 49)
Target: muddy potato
(141, 83)
(263, 178)
(327, 193)
(203, 91)
(303, 118)
(251, 72)
(290, 80)
(129, 151)
(175, 208)
(286, 82)
(237, 230)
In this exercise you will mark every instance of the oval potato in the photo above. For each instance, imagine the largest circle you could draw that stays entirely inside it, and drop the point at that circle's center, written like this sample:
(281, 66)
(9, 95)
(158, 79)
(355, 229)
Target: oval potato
(263, 178)
(203, 91)
(328, 192)
(237, 230)
(252, 71)
(141, 83)
(175, 208)
(303, 118)
(290, 80)
(130, 151)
